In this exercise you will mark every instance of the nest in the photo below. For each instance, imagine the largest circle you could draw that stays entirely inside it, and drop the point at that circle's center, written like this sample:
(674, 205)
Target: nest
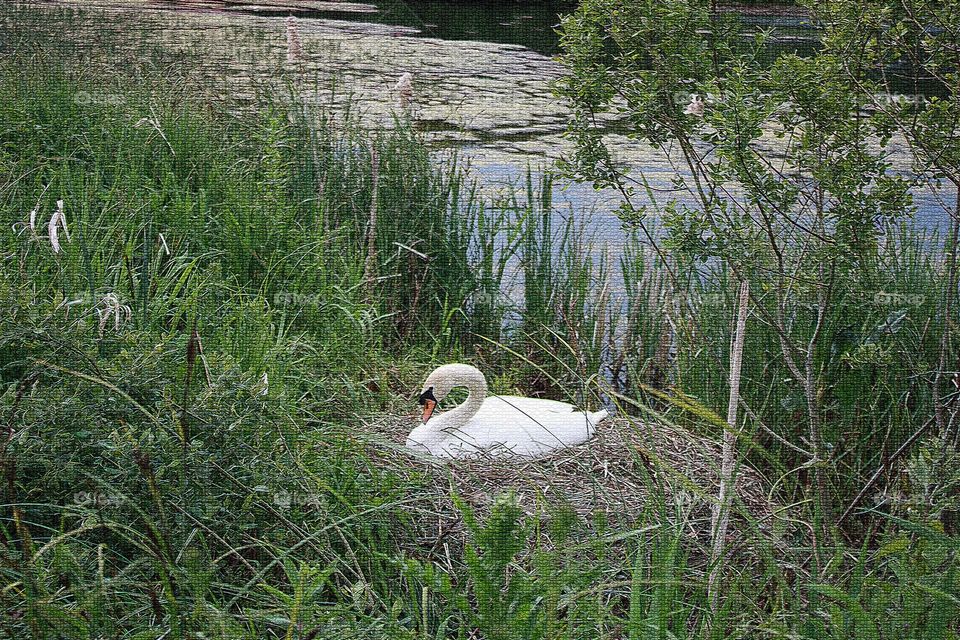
(630, 475)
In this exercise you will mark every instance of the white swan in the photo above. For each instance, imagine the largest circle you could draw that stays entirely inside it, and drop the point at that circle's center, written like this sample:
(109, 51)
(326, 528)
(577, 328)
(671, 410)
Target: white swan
(498, 425)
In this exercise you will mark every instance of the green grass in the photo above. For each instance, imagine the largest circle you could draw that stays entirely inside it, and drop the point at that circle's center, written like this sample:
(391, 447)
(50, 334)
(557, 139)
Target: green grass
(151, 490)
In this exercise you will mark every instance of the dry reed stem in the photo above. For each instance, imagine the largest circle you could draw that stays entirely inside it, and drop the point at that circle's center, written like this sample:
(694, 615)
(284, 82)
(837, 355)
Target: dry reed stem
(721, 511)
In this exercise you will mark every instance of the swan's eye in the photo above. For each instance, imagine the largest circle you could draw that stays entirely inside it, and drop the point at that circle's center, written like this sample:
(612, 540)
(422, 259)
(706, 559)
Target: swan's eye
(427, 395)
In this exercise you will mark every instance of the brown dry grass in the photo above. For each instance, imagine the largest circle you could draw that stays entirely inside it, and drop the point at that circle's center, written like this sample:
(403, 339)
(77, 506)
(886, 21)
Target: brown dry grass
(619, 477)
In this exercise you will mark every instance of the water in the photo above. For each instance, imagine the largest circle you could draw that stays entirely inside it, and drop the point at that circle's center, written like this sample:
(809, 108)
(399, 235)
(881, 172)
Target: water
(533, 25)
(482, 72)
(528, 24)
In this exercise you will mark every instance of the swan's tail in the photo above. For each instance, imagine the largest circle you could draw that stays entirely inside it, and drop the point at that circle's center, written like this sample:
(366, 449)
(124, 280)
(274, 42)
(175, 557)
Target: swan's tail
(595, 418)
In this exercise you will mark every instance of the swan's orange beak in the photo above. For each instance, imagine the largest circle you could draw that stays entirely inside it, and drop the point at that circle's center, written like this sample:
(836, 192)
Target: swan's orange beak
(428, 407)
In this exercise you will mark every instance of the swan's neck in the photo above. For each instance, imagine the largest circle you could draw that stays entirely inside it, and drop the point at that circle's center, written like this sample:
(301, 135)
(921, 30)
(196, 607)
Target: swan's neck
(462, 413)
(438, 435)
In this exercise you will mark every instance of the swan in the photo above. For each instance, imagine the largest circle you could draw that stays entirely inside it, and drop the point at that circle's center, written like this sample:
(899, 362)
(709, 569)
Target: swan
(495, 425)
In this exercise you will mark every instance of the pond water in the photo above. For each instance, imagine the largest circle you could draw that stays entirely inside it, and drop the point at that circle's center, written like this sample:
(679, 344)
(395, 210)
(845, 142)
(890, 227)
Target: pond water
(482, 73)
(534, 26)
(528, 24)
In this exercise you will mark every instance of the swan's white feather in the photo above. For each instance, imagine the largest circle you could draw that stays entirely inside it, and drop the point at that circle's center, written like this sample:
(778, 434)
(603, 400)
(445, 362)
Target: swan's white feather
(522, 426)
(501, 425)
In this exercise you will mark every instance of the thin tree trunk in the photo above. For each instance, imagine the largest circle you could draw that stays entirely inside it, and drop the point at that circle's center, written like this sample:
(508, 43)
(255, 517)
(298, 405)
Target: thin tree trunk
(721, 511)
(823, 503)
(823, 499)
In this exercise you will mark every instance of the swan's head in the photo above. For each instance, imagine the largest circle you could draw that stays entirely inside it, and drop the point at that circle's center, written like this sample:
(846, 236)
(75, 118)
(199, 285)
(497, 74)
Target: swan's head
(442, 381)
(429, 402)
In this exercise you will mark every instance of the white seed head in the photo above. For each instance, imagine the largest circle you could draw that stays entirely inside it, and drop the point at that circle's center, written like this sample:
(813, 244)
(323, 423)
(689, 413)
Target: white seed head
(58, 222)
(62, 216)
(294, 45)
(405, 82)
(404, 87)
(36, 209)
(53, 233)
(696, 106)
(264, 384)
(109, 307)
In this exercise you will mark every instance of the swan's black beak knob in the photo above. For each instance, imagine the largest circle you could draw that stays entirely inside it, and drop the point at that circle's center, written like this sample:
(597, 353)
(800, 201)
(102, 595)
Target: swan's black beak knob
(429, 404)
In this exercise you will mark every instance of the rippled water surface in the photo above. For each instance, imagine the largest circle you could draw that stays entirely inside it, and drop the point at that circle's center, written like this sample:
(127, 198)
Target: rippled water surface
(482, 73)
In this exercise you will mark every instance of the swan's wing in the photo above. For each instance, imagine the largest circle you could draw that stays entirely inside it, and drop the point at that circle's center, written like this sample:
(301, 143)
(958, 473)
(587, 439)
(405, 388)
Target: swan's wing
(527, 426)
(530, 405)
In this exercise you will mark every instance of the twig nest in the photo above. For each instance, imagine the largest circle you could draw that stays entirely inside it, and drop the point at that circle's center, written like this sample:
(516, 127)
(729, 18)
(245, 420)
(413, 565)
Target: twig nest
(617, 477)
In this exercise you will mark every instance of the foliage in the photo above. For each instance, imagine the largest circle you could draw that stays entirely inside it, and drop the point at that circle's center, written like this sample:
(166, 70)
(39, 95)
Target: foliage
(184, 385)
(785, 182)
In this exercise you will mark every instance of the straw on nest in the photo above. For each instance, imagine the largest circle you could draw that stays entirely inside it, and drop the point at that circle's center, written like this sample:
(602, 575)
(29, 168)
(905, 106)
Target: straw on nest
(616, 476)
